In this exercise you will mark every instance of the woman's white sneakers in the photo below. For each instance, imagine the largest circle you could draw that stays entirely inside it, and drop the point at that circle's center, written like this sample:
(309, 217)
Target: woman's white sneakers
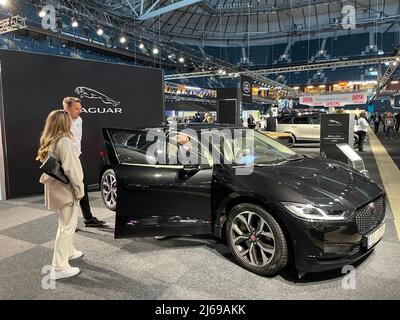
(77, 255)
(67, 273)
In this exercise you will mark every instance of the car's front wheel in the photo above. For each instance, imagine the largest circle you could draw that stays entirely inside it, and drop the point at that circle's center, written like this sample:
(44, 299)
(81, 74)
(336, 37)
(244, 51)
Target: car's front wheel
(256, 240)
(291, 141)
(109, 189)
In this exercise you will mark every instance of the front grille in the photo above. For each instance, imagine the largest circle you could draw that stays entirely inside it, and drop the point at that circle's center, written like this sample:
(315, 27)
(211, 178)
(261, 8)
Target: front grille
(370, 216)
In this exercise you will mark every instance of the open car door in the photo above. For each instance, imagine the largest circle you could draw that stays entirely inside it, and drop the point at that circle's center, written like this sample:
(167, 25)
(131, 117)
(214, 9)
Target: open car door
(156, 199)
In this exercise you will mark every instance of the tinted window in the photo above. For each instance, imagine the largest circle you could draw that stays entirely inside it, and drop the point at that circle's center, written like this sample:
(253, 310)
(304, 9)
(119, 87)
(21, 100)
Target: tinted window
(286, 120)
(186, 149)
(301, 120)
(132, 146)
(316, 120)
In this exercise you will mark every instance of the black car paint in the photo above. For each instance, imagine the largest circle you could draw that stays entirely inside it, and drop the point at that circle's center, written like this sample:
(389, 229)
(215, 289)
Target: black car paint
(168, 201)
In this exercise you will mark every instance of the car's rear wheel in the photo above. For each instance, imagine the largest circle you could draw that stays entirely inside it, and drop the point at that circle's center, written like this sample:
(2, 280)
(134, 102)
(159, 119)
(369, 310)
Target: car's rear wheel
(291, 141)
(109, 189)
(256, 240)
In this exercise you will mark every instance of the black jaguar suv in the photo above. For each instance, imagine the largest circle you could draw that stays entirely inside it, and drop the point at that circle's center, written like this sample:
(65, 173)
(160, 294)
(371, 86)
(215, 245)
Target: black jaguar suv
(273, 206)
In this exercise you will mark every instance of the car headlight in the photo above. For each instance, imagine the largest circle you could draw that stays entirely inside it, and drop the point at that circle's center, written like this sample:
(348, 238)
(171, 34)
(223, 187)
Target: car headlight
(309, 212)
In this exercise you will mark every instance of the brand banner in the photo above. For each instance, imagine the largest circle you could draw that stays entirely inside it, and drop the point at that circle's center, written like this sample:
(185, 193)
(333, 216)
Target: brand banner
(334, 100)
(246, 88)
(112, 95)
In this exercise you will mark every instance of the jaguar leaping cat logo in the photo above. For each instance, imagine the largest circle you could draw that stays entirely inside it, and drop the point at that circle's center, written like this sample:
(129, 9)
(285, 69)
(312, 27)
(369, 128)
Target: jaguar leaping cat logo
(85, 92)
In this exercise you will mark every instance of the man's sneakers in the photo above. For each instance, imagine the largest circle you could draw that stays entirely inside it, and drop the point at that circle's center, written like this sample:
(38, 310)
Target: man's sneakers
(67, 273)
(76, 255)
(95, 223)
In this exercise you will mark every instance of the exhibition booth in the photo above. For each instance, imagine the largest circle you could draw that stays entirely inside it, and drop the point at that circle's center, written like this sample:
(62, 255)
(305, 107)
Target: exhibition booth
(32, 85)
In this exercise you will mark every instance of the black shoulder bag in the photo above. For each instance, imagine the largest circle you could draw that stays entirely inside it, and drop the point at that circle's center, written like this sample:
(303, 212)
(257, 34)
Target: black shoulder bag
(53, 168)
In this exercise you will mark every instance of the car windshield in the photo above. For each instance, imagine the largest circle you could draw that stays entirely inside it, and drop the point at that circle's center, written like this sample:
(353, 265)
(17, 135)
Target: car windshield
(252, 147)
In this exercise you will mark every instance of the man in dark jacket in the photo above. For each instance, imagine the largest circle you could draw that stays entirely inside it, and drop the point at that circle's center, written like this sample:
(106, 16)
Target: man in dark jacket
(271, 122)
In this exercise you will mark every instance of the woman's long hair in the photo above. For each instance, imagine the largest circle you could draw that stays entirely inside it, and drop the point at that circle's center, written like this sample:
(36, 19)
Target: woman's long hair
(58, 125)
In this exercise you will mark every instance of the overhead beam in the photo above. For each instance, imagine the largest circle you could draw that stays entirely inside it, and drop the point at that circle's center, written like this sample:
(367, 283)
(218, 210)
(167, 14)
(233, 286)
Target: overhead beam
(307, 67)
(326, 65)
(151, 13)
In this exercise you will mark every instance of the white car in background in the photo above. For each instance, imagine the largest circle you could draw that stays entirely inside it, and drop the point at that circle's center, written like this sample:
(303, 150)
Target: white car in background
(302, 128)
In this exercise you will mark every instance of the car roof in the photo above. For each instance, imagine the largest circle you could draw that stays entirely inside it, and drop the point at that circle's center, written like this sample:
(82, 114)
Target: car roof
(193, 126)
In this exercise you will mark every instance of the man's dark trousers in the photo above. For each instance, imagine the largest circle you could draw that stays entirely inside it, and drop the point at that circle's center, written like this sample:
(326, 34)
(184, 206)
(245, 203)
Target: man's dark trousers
(85, 206)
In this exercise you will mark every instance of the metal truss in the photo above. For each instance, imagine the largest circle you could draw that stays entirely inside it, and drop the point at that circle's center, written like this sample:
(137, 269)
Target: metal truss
(12, 24)
(189, 99)
(384, 80)
(327, 65)
(307, 67)
(145, 9)
(257, 74)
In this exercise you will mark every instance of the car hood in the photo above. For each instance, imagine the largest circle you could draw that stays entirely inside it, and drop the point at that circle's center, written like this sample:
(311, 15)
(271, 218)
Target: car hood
(323, 182)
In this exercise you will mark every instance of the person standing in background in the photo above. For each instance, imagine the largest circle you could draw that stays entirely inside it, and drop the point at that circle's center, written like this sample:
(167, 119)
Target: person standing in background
(272, 122)
(377, 121)
(251, 122)
(397, 117)
(390, 123)
(362, 128)
(383, 122)
(73, 106)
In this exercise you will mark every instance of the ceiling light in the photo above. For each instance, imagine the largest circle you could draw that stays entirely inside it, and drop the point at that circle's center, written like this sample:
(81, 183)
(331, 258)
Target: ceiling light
(100, 31)
(141, 46)
(181, 60)
(74, 23)
(155, 51)
(122, 39)
(42, 13)
(395, 82)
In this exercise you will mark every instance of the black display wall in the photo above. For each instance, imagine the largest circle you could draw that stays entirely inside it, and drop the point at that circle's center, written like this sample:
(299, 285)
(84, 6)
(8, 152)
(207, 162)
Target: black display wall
(32, 85)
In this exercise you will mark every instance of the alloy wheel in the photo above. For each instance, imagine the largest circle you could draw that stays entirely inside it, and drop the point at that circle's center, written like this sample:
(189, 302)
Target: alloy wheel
(252, 239)
(110, 190)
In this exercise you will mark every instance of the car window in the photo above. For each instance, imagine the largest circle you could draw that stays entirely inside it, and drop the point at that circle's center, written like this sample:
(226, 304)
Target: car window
(243, 149)
(132, 147)
(301, 120)
(286, 120)
(184, 149)
(316, 120)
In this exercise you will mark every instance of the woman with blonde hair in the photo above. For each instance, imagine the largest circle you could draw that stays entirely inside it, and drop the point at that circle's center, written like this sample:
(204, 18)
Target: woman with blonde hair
(57, 141)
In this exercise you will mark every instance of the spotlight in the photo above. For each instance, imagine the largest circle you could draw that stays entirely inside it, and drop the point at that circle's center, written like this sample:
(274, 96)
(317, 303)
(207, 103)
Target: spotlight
(181, 60)
(155, 51)
(42, 13)
(122, 39)
(100, 31)
(141, 46)
(74, 23)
